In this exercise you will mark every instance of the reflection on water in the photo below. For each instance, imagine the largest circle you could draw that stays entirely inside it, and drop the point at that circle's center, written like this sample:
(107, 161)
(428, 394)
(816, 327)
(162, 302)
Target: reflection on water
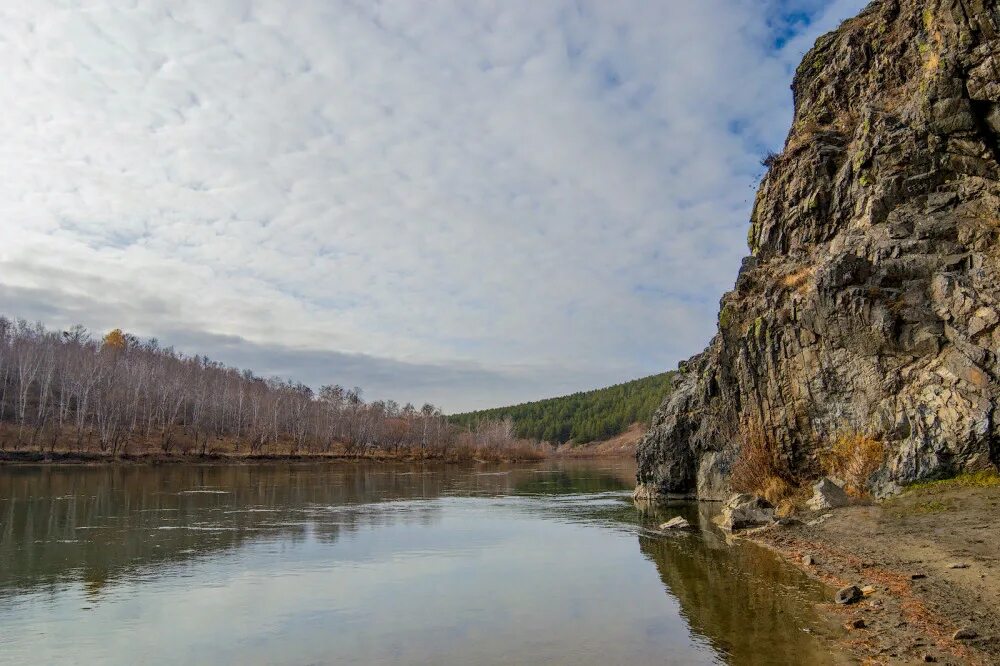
(368, 563)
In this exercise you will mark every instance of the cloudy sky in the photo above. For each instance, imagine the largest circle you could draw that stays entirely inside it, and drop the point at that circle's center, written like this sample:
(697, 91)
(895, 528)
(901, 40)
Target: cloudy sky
(466, 202)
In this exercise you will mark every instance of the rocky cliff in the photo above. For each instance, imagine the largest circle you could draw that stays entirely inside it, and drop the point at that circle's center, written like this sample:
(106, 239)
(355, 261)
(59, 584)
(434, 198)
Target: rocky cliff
(869, 302)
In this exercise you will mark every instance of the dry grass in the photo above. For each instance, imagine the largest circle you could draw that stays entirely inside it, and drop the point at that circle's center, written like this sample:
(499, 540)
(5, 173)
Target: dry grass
(982, 479)
(800, 279)
(758, 470)
(846, 121)
(775, 489)
(854, 457)
(805, 130)
(623, 444)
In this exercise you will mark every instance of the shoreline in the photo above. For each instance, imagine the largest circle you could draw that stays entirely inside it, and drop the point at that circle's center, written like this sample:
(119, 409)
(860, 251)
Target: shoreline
(932, 560)
(21, 457)
(156, 458)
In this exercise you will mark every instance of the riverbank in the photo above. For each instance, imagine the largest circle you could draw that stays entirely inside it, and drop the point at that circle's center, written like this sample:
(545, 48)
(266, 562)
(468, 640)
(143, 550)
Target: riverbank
(229, 451)
(231, 457)
(932, 559)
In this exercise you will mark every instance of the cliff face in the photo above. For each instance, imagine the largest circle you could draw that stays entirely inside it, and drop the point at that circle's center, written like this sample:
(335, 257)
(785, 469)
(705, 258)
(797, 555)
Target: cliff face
(869, 304)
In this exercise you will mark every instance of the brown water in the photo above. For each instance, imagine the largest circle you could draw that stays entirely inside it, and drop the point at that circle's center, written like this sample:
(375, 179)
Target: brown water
(379, 564)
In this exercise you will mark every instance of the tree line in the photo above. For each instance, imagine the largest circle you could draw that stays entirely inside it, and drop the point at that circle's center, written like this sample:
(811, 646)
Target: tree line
(581, 417)
(117, 394)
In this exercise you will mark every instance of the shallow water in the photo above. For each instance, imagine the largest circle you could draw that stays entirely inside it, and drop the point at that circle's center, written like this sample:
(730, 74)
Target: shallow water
(361, 563)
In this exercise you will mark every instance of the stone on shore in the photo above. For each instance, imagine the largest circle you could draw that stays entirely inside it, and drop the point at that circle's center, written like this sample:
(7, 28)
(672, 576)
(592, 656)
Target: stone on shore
(848, 595)
(744, 511)
(827, 495)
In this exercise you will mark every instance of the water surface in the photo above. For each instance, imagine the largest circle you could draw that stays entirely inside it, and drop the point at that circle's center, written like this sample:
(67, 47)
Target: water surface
(361, 563)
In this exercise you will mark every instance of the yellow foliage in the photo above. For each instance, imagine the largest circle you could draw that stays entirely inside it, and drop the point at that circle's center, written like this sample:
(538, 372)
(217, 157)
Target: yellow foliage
(114, 339)
(854, 458)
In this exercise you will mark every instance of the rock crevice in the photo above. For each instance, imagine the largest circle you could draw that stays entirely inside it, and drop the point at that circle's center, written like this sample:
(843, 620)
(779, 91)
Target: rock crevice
(869, 304)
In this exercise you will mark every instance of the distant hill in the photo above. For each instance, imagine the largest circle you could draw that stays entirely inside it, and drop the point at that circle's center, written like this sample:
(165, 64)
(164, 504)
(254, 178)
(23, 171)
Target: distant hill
(581, 417)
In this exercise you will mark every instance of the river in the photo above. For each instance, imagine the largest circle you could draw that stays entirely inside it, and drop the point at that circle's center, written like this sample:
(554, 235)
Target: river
(367, 563)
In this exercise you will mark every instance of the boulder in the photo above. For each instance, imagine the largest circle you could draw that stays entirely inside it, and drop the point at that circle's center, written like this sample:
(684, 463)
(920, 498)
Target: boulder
(678, 523)
(743, 511)
(965, 634)
(848, 595)
(827, 495)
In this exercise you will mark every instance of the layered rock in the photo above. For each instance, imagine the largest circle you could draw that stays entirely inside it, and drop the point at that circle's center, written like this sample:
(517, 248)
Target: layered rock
(869, 304)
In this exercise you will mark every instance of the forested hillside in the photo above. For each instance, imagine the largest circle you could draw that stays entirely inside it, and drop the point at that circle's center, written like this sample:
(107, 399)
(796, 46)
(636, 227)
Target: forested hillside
(581, 417)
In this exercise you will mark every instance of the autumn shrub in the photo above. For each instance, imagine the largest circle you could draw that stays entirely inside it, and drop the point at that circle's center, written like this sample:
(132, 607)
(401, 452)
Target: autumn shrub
(770, 159)
(757, 469)
(854, 458)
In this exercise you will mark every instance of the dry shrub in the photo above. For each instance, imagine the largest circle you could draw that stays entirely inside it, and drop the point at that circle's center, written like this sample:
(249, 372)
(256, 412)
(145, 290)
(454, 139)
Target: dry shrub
(854, 457)
(757, 470)
(775, 489)
(803, 132)
(770, 159)
(786, 507)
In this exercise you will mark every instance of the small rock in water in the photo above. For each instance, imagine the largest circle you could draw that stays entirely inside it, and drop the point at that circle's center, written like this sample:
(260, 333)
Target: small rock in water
(678, 523)
(856, 623)
(965, 634)
(848, 595)
(958, 565)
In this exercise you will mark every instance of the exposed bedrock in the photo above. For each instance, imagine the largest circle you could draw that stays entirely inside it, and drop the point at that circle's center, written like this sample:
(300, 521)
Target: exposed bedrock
(869, 303)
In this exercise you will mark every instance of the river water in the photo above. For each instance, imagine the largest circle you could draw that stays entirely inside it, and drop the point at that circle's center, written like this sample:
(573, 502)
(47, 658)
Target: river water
(363, 563)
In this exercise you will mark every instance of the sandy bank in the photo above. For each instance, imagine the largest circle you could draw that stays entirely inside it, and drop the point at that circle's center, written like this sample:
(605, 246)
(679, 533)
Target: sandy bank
(932, 556)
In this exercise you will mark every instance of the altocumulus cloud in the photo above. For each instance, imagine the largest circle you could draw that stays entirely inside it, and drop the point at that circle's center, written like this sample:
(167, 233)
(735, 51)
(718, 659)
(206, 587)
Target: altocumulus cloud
(467, 202)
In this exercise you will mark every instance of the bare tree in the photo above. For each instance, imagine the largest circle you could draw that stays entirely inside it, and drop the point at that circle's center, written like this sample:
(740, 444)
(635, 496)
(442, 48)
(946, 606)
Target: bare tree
(123, 392)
